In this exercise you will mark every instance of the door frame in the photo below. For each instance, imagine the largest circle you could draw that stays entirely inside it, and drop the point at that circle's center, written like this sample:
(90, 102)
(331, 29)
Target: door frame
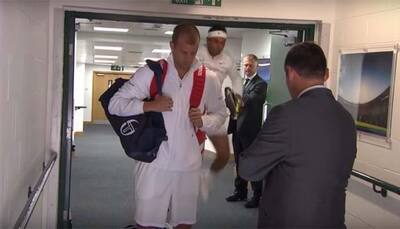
(307, 28)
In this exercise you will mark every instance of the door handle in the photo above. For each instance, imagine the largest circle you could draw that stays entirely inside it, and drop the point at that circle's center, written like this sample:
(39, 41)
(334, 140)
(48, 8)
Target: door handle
(79, 107)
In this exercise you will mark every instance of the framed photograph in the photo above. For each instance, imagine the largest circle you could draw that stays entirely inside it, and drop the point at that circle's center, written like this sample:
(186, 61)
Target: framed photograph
(365, 87)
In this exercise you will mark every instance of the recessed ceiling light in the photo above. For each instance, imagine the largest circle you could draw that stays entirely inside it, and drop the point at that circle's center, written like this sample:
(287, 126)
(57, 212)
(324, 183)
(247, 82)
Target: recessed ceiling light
(112, 48)
(106, 57)
(108, 29)
(105, 61)
(161, 51)
(169, 32)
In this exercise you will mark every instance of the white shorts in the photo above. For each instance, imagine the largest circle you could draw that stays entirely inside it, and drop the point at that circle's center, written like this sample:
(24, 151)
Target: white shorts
(165, 196)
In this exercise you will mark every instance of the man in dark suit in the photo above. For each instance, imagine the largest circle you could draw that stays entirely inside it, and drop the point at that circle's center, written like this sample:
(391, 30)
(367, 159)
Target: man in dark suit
(248, 125)
(305, 150)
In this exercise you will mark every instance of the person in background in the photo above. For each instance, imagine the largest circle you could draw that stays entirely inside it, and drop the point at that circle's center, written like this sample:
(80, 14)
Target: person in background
(215, 59)
(305, 150)
(170, 184)
(248, 125)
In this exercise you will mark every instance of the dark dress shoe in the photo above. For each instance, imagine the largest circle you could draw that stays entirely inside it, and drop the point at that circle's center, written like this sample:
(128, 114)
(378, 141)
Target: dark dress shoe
(253, 203)
(236, 197)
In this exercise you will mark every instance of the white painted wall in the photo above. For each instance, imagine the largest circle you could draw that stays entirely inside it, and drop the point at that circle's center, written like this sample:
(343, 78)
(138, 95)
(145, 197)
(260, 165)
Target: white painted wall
(272, 9)
(257, 42)
(24, 29)
(233, 47)
(371, 23)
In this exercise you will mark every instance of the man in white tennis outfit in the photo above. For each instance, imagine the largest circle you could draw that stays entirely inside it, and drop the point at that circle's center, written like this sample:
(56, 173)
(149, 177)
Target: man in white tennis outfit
(168, 187)
(214, 58)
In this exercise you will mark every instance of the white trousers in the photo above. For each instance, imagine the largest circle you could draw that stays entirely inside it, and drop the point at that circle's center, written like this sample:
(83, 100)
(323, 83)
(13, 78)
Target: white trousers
(165, 196)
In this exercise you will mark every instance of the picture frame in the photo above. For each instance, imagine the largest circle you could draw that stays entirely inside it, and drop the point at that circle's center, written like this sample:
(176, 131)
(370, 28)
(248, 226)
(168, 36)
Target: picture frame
(366, 86)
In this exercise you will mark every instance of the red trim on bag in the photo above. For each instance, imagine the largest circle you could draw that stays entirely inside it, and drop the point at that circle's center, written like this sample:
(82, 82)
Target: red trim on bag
(153, 85)
(199, 79)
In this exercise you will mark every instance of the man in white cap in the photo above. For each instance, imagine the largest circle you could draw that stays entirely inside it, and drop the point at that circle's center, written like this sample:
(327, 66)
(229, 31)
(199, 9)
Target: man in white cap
(216, 60)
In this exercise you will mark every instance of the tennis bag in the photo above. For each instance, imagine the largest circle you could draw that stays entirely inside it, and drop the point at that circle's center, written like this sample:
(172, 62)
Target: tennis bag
(140, 135)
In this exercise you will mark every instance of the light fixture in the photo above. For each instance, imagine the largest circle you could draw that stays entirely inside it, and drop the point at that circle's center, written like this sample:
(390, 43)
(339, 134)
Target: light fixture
(161, 51)
(105, 61)
(169, 32)
(108, 29)
(106, 57)
(112, 48)
(265, 64)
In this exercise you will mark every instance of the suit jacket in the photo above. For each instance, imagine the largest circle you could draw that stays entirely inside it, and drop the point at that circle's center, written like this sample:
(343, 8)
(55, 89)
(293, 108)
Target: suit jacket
(305, 152)
(250, 117)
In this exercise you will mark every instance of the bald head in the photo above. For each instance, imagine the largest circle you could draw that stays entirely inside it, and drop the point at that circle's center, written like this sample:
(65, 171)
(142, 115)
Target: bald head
(187, 30)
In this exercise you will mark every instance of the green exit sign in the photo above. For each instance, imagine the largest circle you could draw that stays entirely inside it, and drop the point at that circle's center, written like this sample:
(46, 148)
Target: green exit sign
(198, 2)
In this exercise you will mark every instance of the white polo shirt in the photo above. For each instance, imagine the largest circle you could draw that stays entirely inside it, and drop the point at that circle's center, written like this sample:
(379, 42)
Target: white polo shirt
(223, 65)
(181, 152)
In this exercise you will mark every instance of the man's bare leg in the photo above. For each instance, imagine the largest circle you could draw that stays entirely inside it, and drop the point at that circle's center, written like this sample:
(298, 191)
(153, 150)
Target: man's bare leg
(221, 145)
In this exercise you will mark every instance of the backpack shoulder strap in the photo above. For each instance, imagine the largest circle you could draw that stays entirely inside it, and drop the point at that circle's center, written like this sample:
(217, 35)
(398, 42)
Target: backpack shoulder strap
(160, 71)
(199, 80)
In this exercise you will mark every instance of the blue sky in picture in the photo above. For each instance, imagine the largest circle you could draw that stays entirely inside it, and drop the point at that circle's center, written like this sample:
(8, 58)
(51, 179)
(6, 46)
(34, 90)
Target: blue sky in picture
(364, 76)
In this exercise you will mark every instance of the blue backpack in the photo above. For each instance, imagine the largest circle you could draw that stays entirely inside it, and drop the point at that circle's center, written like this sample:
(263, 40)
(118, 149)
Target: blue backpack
(140, 135)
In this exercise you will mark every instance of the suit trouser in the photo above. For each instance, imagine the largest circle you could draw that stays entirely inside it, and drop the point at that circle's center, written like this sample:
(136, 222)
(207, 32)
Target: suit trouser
(240, 183)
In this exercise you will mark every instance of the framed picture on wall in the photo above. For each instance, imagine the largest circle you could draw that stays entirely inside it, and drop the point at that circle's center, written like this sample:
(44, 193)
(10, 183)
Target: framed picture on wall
(365, 87)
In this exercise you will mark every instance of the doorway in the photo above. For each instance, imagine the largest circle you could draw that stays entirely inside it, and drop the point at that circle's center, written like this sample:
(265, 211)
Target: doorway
(64, 213)
(102, 81)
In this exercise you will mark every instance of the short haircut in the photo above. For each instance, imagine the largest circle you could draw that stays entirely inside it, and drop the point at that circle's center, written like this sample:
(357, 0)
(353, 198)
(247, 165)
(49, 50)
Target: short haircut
(307, 59)
(217, 28)
(252, 57)
(186, 29)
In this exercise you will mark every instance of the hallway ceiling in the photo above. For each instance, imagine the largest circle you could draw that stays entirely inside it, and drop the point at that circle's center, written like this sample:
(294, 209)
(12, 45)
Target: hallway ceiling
(137, 44)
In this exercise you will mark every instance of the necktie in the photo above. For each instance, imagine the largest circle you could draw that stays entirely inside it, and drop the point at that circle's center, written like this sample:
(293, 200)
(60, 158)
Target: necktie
(246, 82)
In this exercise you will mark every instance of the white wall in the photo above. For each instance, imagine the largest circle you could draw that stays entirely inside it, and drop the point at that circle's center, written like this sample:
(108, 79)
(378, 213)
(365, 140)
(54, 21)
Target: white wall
(273, 9)
(371, 23)
(257, 42)
(24, 29)
(233, 47)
